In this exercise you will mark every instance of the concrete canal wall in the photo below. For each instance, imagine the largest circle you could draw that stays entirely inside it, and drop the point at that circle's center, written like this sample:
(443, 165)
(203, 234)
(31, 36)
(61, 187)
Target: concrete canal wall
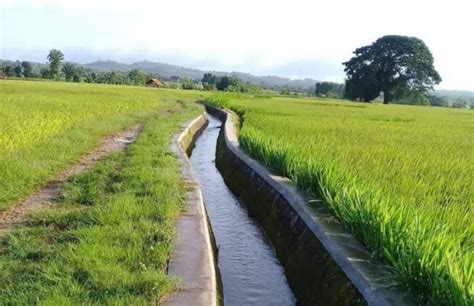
(324, 263)
(194, 257)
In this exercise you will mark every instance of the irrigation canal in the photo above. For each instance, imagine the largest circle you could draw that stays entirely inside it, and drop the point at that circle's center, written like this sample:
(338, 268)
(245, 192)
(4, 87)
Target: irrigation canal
(251, 273)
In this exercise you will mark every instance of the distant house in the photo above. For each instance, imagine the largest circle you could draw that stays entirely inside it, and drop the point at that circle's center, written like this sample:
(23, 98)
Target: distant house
(154, 83)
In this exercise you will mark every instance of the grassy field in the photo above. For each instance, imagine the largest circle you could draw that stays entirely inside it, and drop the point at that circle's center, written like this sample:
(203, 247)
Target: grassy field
(108, 239)
(40, 119)
(399, 177)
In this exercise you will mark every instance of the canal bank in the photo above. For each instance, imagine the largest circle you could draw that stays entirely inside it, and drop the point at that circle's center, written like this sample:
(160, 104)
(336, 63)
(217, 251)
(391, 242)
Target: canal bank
(193, 260)
(324, 263)
(250, 271)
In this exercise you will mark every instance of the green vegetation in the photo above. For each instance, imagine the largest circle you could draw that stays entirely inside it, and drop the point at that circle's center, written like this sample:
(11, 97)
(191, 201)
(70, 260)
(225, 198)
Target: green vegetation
(187, 83)
(369, 73)
(401, 67)
(40, 119)
(108, 239)
(55, 57)
(57, 70)
(329, 90)
(228, 83)
(399, 177)
(209, 81)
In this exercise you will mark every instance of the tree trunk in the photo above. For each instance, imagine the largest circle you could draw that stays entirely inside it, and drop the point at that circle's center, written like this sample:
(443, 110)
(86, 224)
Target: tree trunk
(386, 97)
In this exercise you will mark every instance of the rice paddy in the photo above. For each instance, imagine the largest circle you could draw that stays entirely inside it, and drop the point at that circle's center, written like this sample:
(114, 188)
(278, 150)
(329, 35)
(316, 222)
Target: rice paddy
(39, 120)
(401, 178)
(109, 236)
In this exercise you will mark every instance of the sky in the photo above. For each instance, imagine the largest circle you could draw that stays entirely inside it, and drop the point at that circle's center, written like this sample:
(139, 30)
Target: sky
(297, 38)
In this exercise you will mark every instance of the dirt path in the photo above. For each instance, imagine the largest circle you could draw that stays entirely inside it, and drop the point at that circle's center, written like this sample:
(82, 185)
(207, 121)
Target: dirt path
(47, 194)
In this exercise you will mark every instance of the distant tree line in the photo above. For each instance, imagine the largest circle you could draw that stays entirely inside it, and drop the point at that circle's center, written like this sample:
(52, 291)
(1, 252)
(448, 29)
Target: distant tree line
(18, 69)
(404, 77)
(228, 83)
(329, 89)
(59, 70)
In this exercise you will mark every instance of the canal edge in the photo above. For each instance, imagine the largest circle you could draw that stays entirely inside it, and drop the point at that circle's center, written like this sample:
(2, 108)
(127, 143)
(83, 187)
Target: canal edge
(322, 259)
(193, 260)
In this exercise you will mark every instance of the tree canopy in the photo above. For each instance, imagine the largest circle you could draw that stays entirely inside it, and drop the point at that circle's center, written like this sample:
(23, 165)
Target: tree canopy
(137, 77)
(329, 89)
(27, 69)
(187, 83)
(209, 81)
(55, 57)
(398, 66)
(18, 69)
(69, 71)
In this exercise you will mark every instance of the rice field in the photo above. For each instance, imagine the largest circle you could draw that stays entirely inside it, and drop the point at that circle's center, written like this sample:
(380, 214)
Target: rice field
(40, 119)
(108, 238)
(401, 178)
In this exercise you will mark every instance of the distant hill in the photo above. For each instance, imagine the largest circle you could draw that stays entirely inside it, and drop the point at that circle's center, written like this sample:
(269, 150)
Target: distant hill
(455, 93)
(167, 71)
(107, 66)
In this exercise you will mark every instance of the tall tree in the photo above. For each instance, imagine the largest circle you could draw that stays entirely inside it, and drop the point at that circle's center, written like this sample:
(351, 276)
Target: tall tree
(55, 57)
(329, 89)
(69, 71)
(27, 69)
(187, 83)
(136, 77)
(18, 69)
(223, 83)
(78, 73)
(209, 81)
(8, 70)
(45, 73)
(113, 77)
(90, 76)
(395, 65)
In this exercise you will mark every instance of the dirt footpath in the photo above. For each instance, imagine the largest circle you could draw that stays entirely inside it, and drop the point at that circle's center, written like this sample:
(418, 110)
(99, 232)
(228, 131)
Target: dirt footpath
(48, 194)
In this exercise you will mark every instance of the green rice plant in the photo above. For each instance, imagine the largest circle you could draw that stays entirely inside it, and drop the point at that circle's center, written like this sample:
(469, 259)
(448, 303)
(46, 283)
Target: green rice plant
(108, 240)
(401, 178)
(45, 126)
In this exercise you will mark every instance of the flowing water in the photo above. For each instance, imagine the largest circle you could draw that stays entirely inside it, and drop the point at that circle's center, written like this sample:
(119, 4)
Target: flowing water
(251, 273)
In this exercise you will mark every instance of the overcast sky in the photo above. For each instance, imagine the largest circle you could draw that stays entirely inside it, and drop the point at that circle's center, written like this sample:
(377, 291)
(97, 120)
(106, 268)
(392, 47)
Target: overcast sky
(293, 38)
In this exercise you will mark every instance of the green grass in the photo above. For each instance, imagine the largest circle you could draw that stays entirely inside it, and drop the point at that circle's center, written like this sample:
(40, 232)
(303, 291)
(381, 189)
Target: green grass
(399, 177)
(40, 119)
(109, 238)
